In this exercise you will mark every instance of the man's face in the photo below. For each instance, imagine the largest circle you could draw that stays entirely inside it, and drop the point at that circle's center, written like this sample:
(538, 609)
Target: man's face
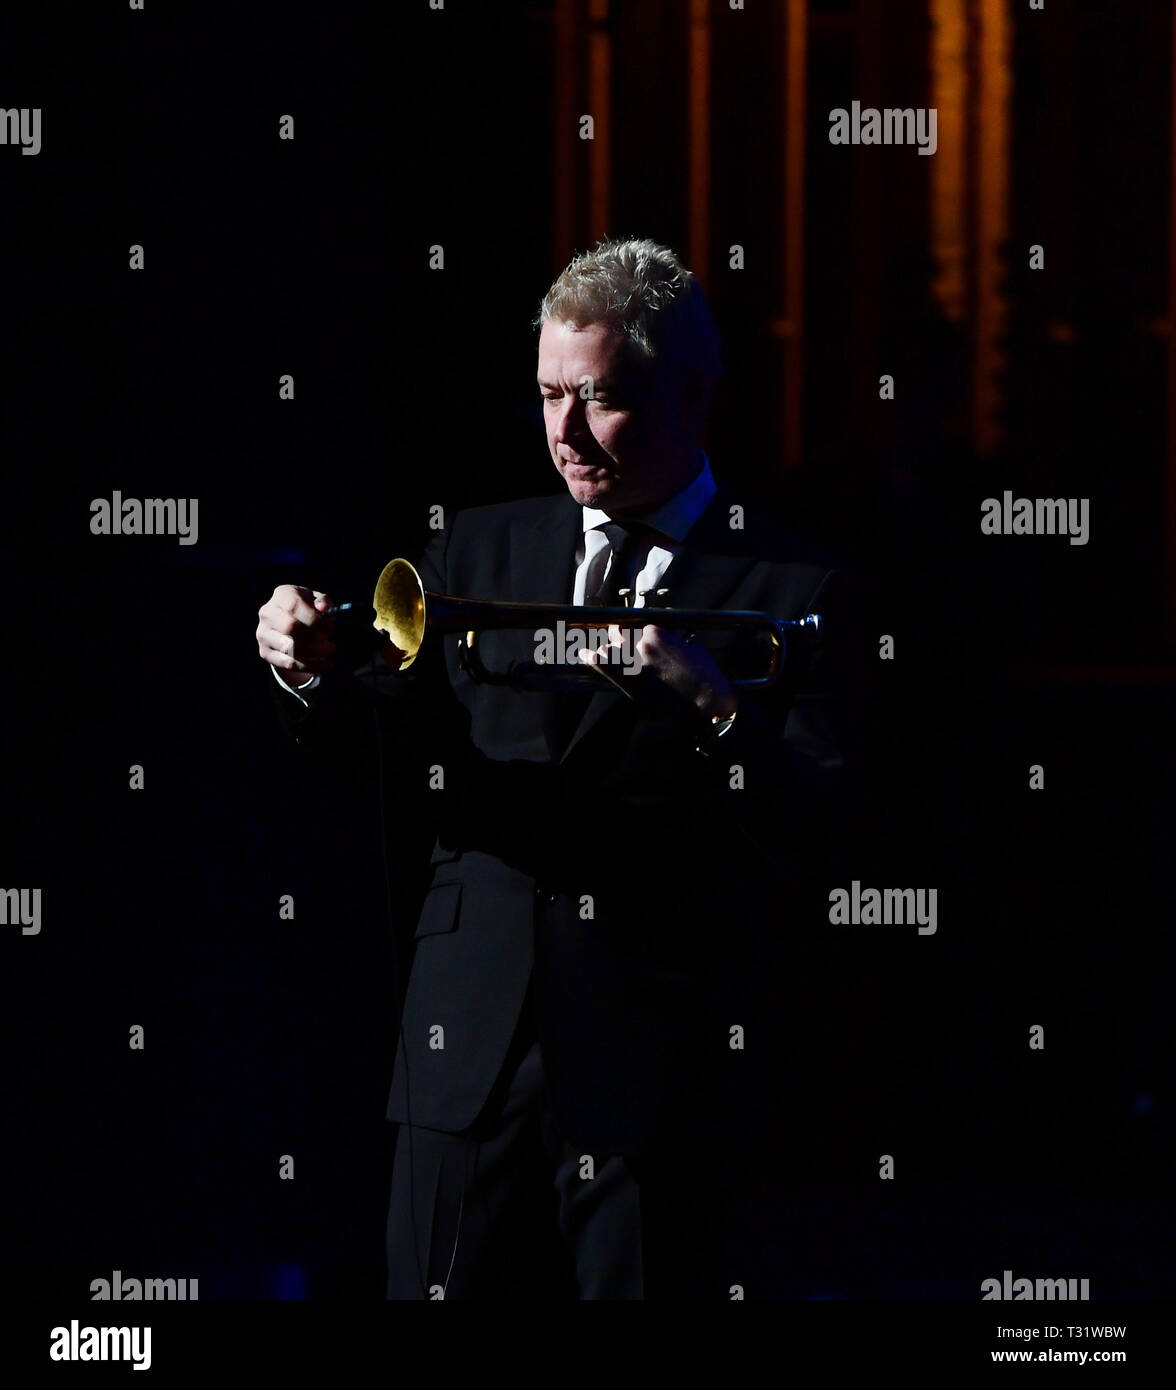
(622, 441)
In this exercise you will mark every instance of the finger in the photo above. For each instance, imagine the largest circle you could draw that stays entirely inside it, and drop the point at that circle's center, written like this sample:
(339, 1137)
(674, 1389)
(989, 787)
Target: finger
(286, 610)
(596, 659)
(290, 636)
(315, 666)
(318, 603)
(598, 668)
(302, 645)
(299, 603)
(305, 620)
(653, 637)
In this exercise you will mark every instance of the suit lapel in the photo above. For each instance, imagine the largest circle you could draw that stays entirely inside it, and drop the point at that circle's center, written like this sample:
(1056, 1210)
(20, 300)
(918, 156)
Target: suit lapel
(543, 554)
(707, 567)
(711, 561)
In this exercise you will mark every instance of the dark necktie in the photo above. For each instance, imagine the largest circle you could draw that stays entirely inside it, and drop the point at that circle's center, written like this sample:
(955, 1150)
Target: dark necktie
(625, 546)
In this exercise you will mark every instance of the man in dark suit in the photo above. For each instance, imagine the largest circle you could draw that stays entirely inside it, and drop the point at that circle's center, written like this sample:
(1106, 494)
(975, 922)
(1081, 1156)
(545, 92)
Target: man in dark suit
(608, 859)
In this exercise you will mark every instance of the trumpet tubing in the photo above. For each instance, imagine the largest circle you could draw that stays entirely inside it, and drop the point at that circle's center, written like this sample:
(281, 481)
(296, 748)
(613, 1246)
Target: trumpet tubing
(407, 613)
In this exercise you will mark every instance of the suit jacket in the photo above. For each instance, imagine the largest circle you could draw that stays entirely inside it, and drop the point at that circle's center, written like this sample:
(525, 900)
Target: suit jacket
(612, 854)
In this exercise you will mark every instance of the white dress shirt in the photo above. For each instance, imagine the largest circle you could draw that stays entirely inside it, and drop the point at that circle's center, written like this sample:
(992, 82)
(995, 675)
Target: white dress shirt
(672, 520)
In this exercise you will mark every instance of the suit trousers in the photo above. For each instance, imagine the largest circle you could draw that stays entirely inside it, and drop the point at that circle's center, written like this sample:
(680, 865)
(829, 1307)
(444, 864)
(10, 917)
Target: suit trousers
(500, 1210)
(509, 1209)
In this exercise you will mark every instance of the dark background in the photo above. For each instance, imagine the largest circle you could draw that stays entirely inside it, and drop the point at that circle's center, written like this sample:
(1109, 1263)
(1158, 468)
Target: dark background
(416, 387)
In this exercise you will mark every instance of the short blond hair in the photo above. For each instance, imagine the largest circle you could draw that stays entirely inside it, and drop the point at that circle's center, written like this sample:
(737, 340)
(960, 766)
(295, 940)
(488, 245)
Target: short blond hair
(643, 290)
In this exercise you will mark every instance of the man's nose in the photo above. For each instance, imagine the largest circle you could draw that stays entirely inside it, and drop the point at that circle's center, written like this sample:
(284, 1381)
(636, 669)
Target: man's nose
(569, 424)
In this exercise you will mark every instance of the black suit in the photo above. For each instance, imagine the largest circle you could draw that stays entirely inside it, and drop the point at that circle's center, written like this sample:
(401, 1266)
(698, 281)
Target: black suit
(618, 884)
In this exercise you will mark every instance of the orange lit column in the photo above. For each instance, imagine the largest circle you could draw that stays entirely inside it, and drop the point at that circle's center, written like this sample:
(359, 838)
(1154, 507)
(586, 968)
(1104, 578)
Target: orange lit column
(699, 212)
(600, 109)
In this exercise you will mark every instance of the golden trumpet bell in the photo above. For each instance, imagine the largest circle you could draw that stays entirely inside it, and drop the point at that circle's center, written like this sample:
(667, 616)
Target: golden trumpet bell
(399, 602)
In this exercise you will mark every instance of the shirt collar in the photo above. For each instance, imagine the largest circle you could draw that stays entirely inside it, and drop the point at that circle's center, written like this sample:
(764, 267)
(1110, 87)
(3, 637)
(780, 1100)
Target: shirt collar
(674, 517)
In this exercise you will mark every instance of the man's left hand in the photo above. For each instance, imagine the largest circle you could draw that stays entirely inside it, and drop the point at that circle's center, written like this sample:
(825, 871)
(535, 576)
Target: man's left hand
(662, 655)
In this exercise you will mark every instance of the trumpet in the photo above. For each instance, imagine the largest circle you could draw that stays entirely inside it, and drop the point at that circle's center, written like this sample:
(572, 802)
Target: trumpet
(407, 614)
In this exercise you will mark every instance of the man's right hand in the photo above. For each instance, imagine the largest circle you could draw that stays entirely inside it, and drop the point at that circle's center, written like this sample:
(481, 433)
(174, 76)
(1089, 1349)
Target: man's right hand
(294, 633)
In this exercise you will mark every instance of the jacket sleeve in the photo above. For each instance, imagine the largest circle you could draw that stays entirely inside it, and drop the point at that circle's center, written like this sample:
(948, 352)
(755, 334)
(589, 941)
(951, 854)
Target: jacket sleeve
(407, 720)
(786, 778)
